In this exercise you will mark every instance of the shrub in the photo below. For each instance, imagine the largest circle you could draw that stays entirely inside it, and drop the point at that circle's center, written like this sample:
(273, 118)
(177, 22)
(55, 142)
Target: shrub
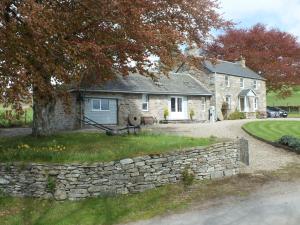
(291, 142)
(224, 110)
(187, 177)
(166, 113)
(237, 116)
(261, 115)
(192, 114)
(51, 184)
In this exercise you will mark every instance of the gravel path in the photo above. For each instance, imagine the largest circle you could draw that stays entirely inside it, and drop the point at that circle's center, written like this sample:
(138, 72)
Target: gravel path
(262, 156)
(12, 132)
(275, 204)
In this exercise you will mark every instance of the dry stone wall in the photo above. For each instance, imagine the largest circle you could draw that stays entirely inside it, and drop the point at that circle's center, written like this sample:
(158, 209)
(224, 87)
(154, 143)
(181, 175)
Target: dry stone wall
(79, 181)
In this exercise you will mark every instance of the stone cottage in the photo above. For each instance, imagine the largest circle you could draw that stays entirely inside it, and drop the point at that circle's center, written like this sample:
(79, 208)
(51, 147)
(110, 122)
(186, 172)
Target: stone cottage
(186, 94)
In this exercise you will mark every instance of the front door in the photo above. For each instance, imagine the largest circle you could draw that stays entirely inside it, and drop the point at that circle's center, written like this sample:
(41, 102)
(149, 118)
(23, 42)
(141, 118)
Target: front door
(178, 108)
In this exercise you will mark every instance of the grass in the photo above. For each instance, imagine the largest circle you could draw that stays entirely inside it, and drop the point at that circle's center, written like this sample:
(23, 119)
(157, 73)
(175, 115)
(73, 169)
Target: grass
(122, 209)
(13, 121)
(294, 100)
(92, 147)
(273, 130)
(294, 115)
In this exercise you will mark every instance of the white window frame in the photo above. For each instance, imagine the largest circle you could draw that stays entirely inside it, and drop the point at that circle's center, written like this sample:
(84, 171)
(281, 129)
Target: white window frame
(227, 81)
(145, 100)
(242, 83)
(228, 103)
(255, 84)
(100, 104)
(256, 103)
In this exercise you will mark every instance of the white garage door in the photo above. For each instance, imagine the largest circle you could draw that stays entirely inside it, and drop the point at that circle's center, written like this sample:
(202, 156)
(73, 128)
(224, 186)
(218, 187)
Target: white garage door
(101, 110)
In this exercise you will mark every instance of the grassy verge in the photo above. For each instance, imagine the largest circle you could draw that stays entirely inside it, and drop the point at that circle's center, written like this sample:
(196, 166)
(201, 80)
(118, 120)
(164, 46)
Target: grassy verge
(92, 147)
(273, 130)
(122, 209)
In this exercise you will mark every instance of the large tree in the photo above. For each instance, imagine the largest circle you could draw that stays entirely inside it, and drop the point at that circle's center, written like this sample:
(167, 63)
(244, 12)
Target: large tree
(47, 45)
(271, 52)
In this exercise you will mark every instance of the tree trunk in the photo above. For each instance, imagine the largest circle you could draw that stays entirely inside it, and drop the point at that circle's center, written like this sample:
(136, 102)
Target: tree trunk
(43, 116)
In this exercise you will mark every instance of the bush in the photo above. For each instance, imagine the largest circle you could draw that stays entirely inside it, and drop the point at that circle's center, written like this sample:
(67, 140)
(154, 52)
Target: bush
(237, 116)
(166, 113)
(187, 177)
(291, 142)
(261, 115)
(192, 114)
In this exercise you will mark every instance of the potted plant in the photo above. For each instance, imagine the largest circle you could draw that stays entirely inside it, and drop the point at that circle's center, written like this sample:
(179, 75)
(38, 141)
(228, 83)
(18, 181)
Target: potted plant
(166, 115)
(192, 114)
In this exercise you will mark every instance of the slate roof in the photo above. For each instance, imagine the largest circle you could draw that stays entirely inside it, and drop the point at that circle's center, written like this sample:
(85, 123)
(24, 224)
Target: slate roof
(245, 92)
(175, 84)
(233, 69)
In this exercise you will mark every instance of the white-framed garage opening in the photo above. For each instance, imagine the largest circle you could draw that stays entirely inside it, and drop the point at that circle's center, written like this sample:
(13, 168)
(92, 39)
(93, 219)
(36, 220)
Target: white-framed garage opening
(101, 110)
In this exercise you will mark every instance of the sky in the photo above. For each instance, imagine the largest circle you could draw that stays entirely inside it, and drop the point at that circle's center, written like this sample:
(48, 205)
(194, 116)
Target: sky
(282, 14)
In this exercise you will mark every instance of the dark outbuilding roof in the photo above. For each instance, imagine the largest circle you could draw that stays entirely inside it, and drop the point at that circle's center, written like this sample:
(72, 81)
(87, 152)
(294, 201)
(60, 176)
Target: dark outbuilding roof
(233, 69)
(175, 84)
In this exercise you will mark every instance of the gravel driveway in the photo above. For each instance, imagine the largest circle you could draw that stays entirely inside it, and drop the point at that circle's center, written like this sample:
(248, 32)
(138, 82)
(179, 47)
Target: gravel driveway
(262, 156)
(275, 204)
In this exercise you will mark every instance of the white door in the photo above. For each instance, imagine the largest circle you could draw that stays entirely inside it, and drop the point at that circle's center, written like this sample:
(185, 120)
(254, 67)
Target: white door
(178, 108)
(101, 110)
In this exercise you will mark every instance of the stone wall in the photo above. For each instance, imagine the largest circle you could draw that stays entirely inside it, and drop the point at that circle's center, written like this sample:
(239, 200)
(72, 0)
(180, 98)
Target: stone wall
(79, 181)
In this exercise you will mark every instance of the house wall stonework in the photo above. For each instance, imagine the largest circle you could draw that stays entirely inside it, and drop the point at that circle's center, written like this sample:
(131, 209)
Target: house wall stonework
(132, 104)
(79, 181)
(221, 91)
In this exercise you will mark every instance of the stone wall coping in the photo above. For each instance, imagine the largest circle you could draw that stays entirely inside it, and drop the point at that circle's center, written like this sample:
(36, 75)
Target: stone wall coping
(124, 161)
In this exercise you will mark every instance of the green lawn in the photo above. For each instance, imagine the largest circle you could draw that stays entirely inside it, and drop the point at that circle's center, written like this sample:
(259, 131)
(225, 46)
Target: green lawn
(91, 147)
(294, 100)
(273, 130)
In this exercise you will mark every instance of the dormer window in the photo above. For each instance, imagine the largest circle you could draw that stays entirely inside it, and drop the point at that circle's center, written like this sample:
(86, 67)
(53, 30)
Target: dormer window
(242, 84)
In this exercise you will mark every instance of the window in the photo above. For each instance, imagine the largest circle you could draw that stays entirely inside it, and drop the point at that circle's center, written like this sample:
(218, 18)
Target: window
(179, 104)
(241, 83)
(176, 104)
(100, 104)
(227, 83)
(242, 104)
(256, 103)
(173, 104)
(255, 84)
(228, 101)
(145, 102)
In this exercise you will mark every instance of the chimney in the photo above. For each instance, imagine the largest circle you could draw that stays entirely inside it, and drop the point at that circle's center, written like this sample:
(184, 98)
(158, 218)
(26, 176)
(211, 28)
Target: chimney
(242, 62)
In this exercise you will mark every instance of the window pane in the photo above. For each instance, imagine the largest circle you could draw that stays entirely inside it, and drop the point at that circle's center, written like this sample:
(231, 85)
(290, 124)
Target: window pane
(96, 104)
(104, 104)
(179, 105)
(242, 82)
(145, 106)
(173, 104)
